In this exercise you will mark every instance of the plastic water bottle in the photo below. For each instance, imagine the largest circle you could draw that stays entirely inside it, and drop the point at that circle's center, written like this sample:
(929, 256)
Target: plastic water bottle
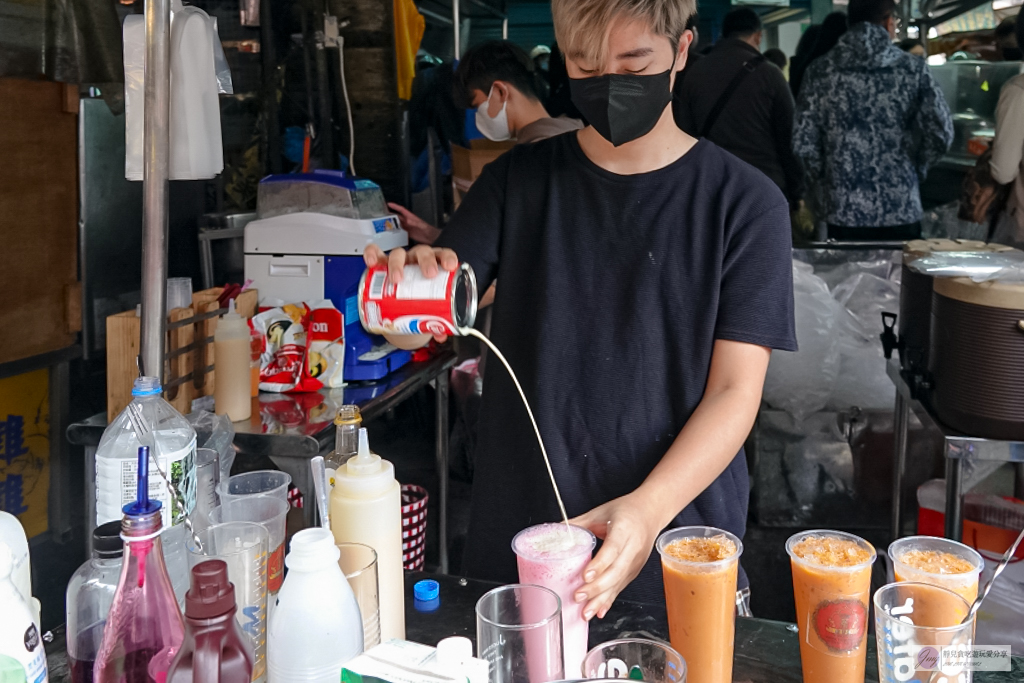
(316, 627)
(144, 628)
(21, 646)
(89, 597)
(150, 421)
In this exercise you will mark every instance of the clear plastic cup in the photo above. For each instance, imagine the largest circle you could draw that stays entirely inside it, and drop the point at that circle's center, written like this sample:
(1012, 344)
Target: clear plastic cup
(259, 483)
(632, 657)
(271, 513)
(832, 589)
(359, 564)
(927, 552)
(701, 601)
(519, 633)
(913, 623)
(207, 478)
(243, 547)
(554, 556)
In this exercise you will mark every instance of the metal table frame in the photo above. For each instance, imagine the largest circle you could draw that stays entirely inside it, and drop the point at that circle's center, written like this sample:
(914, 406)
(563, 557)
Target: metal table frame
(292, 452)
(957, 448)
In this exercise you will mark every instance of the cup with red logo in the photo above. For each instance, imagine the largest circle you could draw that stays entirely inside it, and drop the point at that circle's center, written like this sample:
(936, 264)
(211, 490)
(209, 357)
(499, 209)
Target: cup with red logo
(832, 587)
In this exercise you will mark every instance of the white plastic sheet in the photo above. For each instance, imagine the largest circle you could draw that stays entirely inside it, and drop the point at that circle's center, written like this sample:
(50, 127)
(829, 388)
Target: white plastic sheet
(801, 383)
(199, 72)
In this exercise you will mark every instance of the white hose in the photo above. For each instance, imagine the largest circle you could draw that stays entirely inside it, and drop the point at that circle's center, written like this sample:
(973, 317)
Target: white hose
(348, 108)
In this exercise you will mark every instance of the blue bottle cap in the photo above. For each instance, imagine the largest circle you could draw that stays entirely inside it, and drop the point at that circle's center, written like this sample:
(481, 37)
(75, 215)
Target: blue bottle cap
(426, 590)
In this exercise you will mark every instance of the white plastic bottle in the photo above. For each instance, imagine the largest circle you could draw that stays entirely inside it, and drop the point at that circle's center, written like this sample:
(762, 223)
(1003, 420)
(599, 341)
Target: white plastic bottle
(21, 644)
(12, 534)
(172, 442)
(232, 381)
(366, 507)
(315, 627)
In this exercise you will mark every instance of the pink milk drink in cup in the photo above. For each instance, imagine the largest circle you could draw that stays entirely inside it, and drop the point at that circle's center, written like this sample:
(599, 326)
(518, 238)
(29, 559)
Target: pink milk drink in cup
(553, 556)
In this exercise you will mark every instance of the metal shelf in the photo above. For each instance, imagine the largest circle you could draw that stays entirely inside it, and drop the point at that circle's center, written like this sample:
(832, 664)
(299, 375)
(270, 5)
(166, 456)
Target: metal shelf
(957, 449)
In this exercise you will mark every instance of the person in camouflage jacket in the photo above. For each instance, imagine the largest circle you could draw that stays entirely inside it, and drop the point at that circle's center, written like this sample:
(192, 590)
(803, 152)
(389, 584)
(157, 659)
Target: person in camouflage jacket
(870, 121)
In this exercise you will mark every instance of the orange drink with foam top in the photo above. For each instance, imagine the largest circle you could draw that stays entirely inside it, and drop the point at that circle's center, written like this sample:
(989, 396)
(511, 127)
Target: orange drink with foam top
(700, 566)
(832, 586)
(939, 562)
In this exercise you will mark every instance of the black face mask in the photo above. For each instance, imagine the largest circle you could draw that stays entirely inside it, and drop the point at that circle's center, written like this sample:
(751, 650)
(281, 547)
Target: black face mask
(622, 107)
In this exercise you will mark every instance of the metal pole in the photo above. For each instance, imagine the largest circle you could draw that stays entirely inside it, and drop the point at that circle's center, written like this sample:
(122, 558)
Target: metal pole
(268, 54)
(901, 419)
(156, 143)
(455, 29)
(954, 502)
(441, 455)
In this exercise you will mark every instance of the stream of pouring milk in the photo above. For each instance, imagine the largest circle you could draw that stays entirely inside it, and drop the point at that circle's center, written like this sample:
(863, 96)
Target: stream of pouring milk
(473, 333)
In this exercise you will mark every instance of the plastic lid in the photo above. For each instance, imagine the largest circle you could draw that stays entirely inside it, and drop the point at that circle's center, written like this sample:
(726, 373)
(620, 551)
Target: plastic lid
(425, 590)
(211, 594)
(146, 386)
(106, 541)
(454, 651)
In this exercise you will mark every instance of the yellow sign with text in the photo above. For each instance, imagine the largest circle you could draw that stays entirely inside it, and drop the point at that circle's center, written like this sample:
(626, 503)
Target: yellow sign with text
(25, 449)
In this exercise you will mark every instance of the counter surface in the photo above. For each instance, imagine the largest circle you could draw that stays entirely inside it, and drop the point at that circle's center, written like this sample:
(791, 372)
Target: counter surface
(766, 651)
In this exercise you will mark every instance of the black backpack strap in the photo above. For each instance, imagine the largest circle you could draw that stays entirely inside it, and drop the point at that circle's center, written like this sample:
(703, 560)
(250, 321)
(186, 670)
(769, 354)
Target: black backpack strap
(748, 68)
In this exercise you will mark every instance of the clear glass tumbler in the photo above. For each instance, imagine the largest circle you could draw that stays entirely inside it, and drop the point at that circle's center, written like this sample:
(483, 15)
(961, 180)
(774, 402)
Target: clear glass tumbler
(207, 479)
(914, 622)
(243, 547)
(519, 633)
(635, 659)
(359, 564)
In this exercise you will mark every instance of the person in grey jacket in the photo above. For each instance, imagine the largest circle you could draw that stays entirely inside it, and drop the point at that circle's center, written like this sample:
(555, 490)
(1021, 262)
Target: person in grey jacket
(870, 121)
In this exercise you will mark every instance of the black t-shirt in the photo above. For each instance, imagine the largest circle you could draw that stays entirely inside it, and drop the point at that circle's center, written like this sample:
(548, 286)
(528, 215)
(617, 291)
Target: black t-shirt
(613, 290)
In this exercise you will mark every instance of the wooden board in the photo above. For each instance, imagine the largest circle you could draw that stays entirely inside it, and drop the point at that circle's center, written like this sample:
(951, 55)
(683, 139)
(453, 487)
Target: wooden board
(38, 218)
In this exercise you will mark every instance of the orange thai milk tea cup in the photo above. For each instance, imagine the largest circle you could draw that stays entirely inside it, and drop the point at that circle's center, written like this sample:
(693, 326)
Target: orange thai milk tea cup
(832, 587)
(700, 566)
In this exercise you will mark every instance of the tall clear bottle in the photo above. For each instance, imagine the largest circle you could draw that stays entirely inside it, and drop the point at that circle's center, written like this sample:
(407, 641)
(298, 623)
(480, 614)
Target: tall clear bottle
(346, 439)
(89, 597)
(150, 421)
(144, 628)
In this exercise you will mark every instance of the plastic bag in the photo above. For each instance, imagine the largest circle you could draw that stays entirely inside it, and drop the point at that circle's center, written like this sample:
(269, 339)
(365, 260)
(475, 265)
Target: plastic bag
(216, 432)
(199, 72)
(863, 382)
(303, 347)
(220, 63)
(980, 266)
(800, 383)
(944, 221)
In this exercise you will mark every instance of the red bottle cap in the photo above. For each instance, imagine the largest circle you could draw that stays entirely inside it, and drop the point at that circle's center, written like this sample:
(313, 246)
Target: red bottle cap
(211, 594)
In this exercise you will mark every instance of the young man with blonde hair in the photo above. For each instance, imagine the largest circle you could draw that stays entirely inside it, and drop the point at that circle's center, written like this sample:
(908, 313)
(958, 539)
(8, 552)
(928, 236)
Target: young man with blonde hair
(646, 276)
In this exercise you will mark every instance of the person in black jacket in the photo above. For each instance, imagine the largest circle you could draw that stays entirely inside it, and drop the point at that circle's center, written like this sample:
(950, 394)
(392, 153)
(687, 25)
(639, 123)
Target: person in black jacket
(742, 103)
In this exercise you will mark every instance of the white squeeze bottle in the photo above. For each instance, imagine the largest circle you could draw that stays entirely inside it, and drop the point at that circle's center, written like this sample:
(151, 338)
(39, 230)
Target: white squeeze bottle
(366, 507)
(232, 381)
(12, 534)
(21, 645)
(315, 629)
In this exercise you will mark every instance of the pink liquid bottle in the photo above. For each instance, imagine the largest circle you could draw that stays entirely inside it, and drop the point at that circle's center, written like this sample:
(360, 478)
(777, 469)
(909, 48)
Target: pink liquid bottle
(144, 628)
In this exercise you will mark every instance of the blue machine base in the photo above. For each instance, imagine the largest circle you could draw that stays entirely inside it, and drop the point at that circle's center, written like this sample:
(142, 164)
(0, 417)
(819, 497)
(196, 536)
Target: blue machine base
(341, 284)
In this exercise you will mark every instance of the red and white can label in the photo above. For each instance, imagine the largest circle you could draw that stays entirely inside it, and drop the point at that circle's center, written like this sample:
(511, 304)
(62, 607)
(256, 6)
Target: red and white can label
(417, 305)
